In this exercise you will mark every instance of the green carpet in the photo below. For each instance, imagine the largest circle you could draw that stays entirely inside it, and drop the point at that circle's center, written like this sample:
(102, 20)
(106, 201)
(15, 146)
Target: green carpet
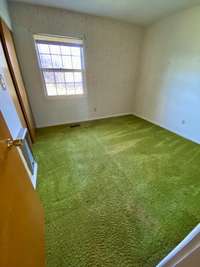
(118, 192)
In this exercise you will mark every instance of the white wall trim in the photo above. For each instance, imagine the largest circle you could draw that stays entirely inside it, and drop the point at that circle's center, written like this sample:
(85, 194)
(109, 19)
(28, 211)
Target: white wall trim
(164, 127)
(184, 249)
(87, 120)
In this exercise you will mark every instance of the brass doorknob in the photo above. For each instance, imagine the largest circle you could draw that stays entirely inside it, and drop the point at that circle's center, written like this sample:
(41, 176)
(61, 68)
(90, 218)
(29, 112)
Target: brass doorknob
(16, 142)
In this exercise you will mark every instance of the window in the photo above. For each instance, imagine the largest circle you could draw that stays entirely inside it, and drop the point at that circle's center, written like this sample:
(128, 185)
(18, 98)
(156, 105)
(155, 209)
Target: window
(61, 63)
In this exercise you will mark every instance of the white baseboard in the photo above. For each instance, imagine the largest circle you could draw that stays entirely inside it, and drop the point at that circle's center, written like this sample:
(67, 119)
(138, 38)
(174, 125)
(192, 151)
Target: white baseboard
(109, 116)
(87, 120)
(191, 242)
(166, 128)
(120, 115)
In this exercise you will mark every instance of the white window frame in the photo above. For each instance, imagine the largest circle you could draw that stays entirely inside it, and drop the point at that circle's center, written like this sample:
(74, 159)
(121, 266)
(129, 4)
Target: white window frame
(68, 41)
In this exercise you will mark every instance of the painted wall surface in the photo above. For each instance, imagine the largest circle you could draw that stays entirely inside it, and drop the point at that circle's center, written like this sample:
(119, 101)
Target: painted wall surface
(111, 55)
(168, 92)
(4, 13)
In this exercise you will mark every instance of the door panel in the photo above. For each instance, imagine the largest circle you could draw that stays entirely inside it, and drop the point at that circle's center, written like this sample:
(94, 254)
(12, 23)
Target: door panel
(21, 217)
(14, 68)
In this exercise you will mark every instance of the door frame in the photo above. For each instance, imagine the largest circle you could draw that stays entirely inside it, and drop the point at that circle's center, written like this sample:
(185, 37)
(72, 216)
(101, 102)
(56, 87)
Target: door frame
(20, 90)
(183, 250)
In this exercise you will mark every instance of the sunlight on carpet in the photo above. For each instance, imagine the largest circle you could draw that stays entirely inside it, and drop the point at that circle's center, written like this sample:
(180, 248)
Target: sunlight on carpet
(117, 192)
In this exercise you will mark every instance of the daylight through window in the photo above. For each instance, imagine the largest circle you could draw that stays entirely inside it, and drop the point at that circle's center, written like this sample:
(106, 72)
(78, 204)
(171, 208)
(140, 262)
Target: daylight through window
(61, 64)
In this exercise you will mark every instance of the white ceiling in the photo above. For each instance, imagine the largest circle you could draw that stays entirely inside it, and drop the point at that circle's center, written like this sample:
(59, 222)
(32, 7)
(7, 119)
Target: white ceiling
(136, 11)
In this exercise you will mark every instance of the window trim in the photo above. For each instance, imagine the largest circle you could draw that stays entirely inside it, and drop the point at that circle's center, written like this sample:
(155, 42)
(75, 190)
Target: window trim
(51, 39)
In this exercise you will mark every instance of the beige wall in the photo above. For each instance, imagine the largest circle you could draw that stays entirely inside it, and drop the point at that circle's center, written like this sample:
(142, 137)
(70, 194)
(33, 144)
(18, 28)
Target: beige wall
(112, 52)
(168, 92)
(4, 13)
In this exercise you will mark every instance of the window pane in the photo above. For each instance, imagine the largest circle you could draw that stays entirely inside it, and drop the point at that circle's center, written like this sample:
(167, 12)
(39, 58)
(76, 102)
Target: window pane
(67, 62)
(45, 61)
(75, 51)
(70, 89)
(76, 62)
(79, 91)
(43, 48)
(49, 77)
(65, 50)
(57, 62)
(79, 88)
(77, 76)
(55, 49)
(69, 77)
(60, 77)
(61, 89)
(51, 89)
(61, 66)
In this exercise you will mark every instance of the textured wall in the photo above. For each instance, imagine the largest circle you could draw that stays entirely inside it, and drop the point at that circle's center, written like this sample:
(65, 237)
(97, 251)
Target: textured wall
(168, 93)
(4, 13)
(112, 53)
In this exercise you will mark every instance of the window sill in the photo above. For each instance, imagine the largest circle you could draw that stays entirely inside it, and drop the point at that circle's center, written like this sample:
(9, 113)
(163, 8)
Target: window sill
(65, 97)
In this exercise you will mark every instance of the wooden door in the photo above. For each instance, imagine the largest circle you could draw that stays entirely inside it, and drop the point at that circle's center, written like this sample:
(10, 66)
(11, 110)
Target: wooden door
(9, 49)
(21, 213)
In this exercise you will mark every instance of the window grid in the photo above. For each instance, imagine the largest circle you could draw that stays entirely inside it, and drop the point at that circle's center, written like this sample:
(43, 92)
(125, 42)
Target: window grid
(55, 59)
